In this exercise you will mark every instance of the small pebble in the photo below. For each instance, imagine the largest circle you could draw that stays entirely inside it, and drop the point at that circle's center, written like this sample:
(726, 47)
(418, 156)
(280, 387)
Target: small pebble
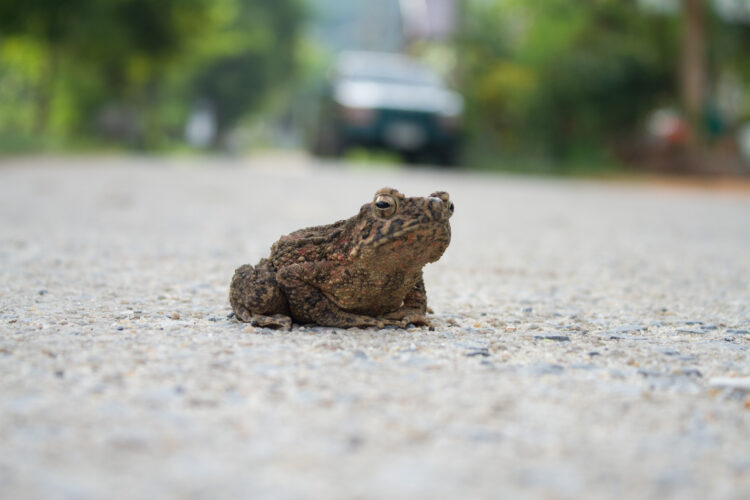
(698, 331)
(556, 338)
(546, 369)
(687, 357)
(175, 315)
(627, 329)
(583, 366)
(737, 383)
(480, 352)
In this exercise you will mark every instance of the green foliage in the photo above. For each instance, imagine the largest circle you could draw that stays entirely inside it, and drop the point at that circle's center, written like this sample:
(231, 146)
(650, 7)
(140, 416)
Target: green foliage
(249, 54)
(132, 69)
(562, 79)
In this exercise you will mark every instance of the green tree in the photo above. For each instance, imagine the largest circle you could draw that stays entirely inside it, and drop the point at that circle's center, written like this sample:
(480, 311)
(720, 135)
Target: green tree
(252, 53)
(562, 78)
(52, 24)
(148, 59)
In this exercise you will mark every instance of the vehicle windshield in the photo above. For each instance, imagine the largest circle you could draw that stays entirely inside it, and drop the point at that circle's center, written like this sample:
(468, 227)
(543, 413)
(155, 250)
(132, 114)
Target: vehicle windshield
(385, 68)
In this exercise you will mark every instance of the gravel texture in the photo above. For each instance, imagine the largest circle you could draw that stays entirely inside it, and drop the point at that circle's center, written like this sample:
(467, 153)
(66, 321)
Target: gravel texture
(591, 340)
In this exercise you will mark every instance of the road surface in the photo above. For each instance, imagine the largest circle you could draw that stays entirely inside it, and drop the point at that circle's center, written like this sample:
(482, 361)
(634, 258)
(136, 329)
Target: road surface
(591, 340)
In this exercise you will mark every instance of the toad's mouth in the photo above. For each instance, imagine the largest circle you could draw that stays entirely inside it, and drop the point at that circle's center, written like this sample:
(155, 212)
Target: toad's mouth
(413, 227)
(401, 234)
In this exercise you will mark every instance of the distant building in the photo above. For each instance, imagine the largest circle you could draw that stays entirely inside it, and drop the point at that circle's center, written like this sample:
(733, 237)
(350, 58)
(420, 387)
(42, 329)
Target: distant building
(357, 24)
(383, 25)
(731, 11)
(429, 19)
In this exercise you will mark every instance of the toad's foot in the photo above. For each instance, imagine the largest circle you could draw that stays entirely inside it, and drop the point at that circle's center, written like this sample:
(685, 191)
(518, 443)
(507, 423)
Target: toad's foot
(276, 322)
(405, 316)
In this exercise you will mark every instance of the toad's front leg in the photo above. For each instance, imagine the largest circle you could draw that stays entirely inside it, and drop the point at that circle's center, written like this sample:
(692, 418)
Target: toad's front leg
(414, 307)
(309, 305)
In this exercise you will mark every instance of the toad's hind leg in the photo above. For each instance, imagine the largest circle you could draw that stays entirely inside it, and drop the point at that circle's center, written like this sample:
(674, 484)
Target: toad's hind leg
(309, 305)
(256, 297)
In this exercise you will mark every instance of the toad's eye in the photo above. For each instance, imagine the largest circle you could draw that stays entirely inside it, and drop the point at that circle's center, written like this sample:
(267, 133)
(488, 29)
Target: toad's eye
(384, 206)
(450, 206)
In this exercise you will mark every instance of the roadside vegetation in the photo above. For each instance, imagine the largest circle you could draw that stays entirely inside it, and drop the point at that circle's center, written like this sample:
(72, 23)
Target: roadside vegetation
(553, 85)
(550, 86)
(129, 73)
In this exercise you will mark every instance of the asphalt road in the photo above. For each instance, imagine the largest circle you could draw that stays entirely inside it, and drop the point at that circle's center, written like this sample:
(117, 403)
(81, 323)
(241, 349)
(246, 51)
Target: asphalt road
(591, 340)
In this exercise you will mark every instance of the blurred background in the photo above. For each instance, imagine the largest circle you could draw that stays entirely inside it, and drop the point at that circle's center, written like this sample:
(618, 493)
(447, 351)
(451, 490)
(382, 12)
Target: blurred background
(556, 86)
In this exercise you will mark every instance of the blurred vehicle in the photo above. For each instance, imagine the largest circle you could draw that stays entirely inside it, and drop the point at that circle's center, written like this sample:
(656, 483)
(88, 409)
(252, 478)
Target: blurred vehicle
(387, 101)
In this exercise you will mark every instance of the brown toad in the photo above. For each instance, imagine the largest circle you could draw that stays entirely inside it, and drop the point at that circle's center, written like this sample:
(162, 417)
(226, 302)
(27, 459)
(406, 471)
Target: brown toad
(363, 271)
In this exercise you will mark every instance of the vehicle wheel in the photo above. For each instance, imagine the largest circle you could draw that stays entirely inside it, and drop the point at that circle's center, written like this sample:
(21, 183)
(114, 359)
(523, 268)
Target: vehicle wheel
(446, 156)
(411, 157)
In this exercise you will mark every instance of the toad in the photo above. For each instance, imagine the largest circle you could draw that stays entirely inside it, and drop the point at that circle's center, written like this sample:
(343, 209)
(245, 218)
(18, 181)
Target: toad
(365, 271)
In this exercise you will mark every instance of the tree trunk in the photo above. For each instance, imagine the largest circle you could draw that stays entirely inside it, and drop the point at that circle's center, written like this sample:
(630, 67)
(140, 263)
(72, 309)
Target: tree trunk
(693, 77)
(45, 90)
